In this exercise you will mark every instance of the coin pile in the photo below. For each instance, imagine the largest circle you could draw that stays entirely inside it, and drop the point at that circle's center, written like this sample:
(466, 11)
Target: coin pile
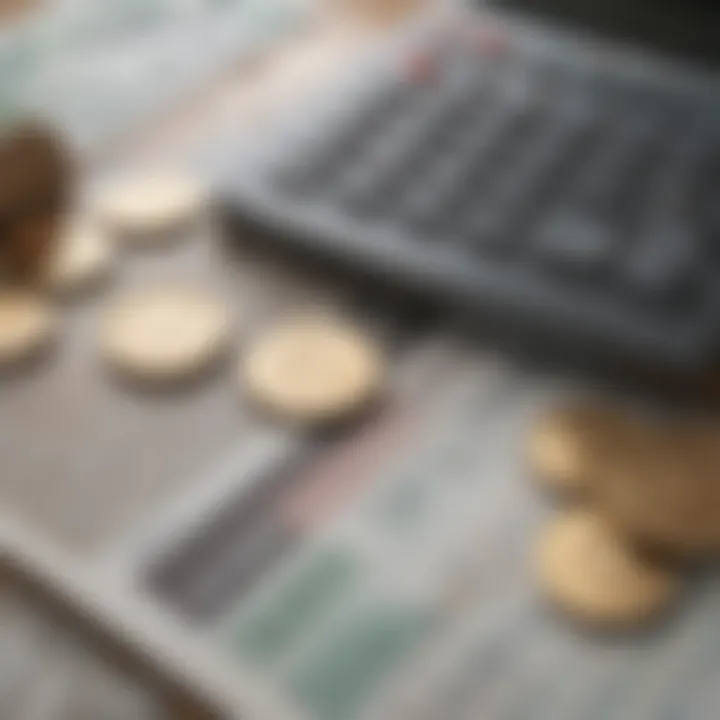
(644, 500)
(75, 251)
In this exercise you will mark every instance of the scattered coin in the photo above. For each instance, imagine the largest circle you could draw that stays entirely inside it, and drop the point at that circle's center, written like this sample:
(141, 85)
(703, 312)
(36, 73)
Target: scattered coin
(166, 333)
(593, 574)
(26, 325)
(144, 209)
(566, 446)
(313, 370)
(82, 258)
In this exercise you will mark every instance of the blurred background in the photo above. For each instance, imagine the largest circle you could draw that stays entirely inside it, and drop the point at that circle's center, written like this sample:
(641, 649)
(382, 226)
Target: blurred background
(514, 206)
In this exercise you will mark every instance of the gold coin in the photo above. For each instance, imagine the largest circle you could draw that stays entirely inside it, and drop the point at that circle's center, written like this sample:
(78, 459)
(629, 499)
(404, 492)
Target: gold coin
(26, 325)
(664, 491)
(590, 572)
(166, 333)
(143, 209)
(313, 370)
(566, 446)
(82, 258)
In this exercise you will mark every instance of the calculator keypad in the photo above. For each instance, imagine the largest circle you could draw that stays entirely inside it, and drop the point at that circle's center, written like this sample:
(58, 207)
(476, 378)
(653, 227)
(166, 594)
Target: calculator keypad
(591, 189)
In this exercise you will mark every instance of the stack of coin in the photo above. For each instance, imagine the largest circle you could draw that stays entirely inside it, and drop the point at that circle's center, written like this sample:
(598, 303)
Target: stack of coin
(46, 245)
(568, 445)
(650, 495)
(663, 492)
(35, 188)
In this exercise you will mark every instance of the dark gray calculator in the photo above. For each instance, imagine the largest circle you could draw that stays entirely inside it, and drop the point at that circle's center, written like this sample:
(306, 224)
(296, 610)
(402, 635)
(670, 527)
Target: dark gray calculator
(552, 167)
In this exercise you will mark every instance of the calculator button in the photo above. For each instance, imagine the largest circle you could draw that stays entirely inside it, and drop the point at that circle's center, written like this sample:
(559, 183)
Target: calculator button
(461, 172)
(393, 158)
(608, 182)
(322, 155)
(540, 163)
(676, 189)
(575, 241)
(489, 232)
(662, 267)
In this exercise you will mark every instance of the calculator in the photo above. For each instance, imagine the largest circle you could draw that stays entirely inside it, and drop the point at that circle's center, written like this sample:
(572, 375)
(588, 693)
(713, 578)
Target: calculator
(554, 173)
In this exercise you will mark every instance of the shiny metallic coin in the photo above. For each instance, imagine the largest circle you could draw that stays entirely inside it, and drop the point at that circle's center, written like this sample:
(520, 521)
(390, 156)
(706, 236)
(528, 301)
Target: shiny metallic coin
(313, 370)
(592, 573)
(567, 445)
